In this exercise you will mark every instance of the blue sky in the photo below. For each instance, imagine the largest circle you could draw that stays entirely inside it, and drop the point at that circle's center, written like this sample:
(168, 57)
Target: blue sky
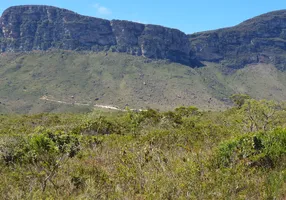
(187, 15)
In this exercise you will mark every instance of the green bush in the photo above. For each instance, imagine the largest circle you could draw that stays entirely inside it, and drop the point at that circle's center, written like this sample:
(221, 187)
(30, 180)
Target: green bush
(42, 154)
(98, 126)
(265, 149)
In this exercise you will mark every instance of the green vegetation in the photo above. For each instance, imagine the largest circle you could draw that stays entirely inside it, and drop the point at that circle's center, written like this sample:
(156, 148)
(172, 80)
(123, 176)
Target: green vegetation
(123, 80)
(239, 153)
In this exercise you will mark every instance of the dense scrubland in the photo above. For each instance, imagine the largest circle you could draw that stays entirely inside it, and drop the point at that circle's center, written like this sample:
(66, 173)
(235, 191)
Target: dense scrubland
(239, 153)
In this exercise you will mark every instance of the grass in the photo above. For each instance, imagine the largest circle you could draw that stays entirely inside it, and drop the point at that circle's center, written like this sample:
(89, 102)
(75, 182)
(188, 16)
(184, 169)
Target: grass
(123, 80)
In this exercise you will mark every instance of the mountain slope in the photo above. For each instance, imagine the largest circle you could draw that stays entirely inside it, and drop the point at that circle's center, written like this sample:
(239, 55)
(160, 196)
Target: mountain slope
(122, 80)
(113, 79)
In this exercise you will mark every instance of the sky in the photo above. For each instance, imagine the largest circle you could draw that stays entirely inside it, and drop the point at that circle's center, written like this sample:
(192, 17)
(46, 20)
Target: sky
(187, 15)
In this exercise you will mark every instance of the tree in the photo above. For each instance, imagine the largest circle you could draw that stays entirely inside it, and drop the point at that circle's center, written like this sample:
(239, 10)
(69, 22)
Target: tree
(260, 115)
(239, 99)
(187, 111)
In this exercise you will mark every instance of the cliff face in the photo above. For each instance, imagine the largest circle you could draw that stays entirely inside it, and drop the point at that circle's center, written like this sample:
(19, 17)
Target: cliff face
(260, 39)
(27, 28)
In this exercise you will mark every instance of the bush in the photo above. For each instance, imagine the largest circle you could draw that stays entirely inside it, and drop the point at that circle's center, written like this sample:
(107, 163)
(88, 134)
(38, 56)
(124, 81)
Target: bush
(265, 149)
(99, 126)
(41, 154)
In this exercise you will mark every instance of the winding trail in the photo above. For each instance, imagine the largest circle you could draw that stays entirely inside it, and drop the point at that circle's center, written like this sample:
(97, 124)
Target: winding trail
(45, 98)
(110, 107)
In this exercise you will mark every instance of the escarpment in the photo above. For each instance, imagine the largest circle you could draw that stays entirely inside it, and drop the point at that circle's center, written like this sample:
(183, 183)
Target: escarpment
(27, 28)
(261, 39)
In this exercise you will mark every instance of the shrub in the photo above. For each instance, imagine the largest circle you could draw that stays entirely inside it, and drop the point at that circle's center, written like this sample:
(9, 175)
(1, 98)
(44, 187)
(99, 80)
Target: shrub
(99, 126)
(42, 154)
(264, 149)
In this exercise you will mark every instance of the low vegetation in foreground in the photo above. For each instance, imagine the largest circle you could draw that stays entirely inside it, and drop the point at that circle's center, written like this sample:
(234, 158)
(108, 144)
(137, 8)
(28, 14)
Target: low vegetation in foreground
(239, 153)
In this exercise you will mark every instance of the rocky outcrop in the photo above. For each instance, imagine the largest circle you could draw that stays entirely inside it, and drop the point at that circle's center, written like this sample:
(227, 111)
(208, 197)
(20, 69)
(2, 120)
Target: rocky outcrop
(260, 39)
(27, 28)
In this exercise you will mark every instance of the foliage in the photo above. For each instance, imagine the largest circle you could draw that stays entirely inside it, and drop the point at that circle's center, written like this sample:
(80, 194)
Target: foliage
(100, 125)
(42, 154)
(182, 154)
(261, 115)
(239, 99)
(187, 111)
(260, 149)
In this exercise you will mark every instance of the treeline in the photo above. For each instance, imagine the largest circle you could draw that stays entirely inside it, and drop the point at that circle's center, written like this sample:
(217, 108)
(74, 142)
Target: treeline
(239, 153)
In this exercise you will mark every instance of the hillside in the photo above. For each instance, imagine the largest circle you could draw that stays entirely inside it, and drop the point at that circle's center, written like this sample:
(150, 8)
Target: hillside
(123, 80)
(94, 78)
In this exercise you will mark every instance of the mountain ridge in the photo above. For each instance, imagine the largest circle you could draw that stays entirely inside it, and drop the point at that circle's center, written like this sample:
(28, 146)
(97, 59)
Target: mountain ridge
(27, 28)
(258, 40)
(42, 27)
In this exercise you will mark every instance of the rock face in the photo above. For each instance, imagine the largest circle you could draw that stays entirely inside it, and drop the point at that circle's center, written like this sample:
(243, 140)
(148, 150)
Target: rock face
(27, 28)
(260, 39)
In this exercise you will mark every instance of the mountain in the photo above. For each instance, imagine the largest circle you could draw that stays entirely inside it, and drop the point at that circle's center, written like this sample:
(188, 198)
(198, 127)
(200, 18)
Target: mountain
(261, 39)
(56, 60)
(27, 28)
